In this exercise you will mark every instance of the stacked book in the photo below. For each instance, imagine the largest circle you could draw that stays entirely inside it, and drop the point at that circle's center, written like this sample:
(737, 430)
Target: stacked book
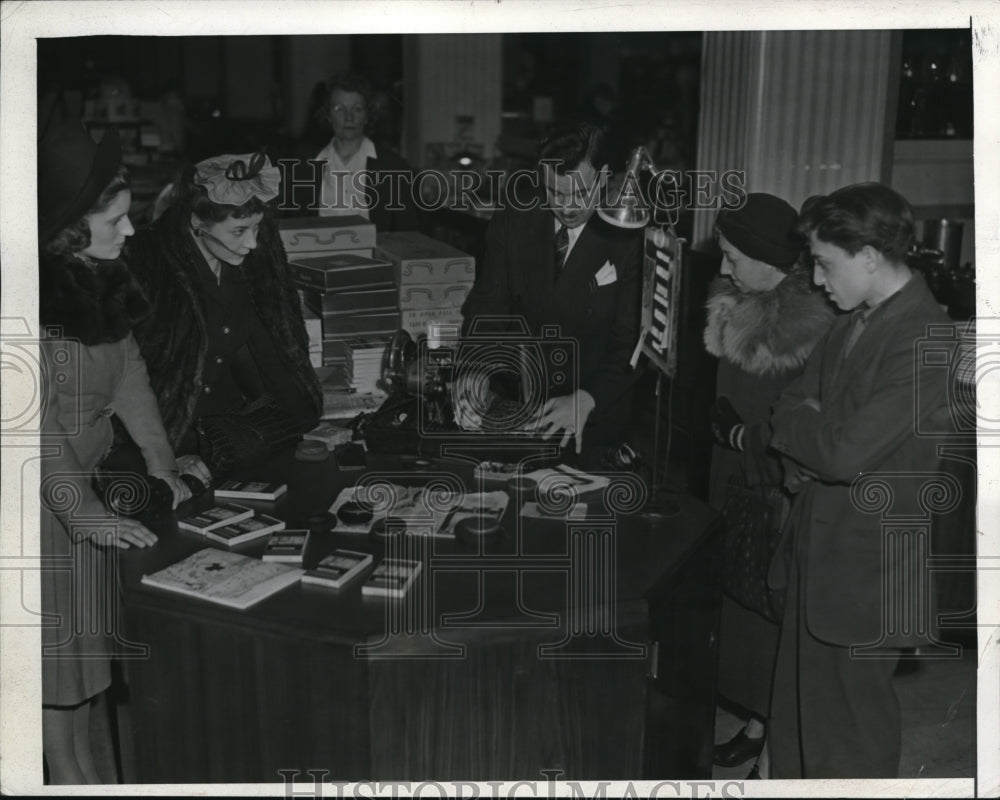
(353, 372)
(363, 361)
(250, 490)
(342, 285)
(330, 433)
(392, 578)
(314, 330)
(231, 524)
(339, 402)
(346, 294)
(287, 546)
(434, 279)
(338, 569)
(352, 295)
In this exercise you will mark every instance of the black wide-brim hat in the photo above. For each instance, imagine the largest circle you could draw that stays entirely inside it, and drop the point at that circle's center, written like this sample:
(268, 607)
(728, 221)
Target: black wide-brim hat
(73, 170)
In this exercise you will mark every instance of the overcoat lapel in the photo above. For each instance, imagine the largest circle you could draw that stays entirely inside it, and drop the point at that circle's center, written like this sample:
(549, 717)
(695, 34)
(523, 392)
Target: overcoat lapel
(838, 366)
(577, 258)
(846, 371)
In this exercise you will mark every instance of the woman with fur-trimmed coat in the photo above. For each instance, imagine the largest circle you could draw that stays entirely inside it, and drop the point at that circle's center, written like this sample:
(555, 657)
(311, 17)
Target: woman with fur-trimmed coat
(91, 372)
(226, 333)
(764, 318)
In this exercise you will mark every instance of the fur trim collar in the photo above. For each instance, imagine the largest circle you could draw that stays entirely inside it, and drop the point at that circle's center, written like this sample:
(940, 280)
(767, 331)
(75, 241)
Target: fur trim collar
(766, 332)
(95, 304)
(174, 340)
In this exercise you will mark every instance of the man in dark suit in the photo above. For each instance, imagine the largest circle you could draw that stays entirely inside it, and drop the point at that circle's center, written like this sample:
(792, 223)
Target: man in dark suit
(852, 419)
(552, 262)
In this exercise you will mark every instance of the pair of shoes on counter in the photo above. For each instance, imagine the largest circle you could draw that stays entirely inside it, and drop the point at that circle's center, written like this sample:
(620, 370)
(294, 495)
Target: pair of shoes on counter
(739, 749)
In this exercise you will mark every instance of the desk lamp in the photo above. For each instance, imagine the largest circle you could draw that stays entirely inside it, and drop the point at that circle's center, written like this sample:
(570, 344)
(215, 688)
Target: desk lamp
(661, 278)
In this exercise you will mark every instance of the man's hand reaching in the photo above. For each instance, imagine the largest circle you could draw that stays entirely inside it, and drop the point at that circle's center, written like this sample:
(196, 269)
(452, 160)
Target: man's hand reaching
(566, 414)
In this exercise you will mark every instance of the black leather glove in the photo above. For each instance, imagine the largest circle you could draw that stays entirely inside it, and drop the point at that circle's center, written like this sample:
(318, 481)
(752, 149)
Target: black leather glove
(727, 425)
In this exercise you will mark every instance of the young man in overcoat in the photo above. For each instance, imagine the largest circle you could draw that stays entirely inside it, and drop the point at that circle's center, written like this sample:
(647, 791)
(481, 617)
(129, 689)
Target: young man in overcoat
(852, 417)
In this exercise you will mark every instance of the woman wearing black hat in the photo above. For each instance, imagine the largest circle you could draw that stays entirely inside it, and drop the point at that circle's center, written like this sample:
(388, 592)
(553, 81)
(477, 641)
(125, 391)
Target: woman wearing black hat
(225, 344)
(88, 304)
(764, 318)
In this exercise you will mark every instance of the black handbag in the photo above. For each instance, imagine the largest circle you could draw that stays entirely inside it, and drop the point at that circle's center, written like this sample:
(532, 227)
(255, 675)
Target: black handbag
(229, 441)
(124, 485)
(754, 518)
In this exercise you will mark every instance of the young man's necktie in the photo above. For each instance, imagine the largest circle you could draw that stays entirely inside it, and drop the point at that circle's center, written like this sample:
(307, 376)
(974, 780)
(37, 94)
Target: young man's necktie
(562, 246)
(857, 327)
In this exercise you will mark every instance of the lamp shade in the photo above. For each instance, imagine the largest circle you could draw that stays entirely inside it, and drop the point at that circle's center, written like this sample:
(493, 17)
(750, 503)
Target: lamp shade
(630, 209)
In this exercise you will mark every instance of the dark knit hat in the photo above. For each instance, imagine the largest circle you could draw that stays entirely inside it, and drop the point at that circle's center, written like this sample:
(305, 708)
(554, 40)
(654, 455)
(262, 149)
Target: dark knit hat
(765, 228)
(73, 170)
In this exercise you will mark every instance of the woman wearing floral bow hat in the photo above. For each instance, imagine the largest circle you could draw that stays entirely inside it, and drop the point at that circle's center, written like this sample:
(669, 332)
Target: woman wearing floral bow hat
(226, 345)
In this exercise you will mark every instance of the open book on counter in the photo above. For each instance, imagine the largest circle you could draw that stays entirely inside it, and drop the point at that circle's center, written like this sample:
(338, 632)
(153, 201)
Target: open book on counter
(224, 577)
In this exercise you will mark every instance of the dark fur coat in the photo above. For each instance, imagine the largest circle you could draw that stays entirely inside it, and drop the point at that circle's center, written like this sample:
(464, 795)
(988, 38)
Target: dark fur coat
(762, 341)
(96, 304)
(766, 332)
(173, 338)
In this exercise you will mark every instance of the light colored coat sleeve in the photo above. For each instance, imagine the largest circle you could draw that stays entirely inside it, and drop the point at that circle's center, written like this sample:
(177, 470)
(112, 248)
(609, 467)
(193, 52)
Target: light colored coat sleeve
(136, 407)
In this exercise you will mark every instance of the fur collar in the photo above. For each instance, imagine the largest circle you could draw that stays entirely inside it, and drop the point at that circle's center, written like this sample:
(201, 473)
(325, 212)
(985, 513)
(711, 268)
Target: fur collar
(174, 340)
(96, 304)
(766, 332)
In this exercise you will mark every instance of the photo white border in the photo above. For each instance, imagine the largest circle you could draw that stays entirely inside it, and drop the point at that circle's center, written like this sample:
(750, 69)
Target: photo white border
(22, 22)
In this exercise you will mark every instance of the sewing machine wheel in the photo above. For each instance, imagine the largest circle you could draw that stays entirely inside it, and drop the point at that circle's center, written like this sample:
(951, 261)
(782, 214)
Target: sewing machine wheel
(400, 353)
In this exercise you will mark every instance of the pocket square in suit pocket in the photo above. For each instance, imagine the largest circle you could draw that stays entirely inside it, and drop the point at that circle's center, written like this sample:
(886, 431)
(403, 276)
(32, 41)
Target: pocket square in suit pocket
(606, 274)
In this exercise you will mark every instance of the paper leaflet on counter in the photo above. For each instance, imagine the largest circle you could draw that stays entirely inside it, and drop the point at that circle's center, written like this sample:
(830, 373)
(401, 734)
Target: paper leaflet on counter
(539, 511)
(408, 503)
(552, 478)
(490, 505)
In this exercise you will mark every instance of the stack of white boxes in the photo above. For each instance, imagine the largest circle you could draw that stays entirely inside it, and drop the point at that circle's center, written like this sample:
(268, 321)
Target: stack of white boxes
(434, 279)
(304, 237)
(357, 289)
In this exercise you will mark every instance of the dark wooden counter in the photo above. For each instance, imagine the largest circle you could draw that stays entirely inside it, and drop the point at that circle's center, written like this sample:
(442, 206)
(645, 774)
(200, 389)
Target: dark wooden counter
(588, 648)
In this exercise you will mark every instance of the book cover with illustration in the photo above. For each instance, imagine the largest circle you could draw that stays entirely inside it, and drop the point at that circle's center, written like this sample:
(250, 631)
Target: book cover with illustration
(225, 578)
